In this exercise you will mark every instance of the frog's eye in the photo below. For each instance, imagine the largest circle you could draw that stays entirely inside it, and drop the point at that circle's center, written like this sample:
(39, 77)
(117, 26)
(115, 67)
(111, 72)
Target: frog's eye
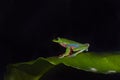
(57, 40)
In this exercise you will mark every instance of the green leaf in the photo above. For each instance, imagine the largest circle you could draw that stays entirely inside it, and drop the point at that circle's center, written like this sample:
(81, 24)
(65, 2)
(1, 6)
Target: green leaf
(32, 70)
(100, 63)
(92, 62)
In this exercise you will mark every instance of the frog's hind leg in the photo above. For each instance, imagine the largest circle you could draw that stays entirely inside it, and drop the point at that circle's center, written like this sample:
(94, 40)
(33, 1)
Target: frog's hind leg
(74, 54)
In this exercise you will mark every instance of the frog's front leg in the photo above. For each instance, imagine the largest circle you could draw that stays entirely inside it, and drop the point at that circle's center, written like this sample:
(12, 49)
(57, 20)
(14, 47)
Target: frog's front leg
(67, 52)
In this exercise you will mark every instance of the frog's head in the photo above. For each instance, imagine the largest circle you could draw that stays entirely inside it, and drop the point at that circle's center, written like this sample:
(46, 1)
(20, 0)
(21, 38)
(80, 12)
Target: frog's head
(58, 40)
(61, 41)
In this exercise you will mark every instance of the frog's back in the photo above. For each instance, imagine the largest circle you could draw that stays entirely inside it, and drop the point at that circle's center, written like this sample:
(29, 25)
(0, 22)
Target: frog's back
(73, 45)
(71, 42)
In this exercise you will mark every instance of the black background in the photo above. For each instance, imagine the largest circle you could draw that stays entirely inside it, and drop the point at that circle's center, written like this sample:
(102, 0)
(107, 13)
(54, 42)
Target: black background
(27, 27)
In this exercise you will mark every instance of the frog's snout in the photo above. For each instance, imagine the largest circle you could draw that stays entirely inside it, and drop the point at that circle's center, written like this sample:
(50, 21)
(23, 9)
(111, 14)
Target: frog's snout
(56, 40)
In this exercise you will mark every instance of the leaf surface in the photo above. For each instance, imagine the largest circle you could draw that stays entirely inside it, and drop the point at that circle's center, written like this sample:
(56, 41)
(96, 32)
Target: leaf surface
(92, 62)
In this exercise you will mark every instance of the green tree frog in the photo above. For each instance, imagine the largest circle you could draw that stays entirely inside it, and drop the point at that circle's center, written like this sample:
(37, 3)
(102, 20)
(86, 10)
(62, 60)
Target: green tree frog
(72, 47)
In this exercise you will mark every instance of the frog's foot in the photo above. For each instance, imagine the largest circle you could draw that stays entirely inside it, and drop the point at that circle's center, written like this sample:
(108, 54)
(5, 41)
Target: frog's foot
(61, 56)
(73, 55)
